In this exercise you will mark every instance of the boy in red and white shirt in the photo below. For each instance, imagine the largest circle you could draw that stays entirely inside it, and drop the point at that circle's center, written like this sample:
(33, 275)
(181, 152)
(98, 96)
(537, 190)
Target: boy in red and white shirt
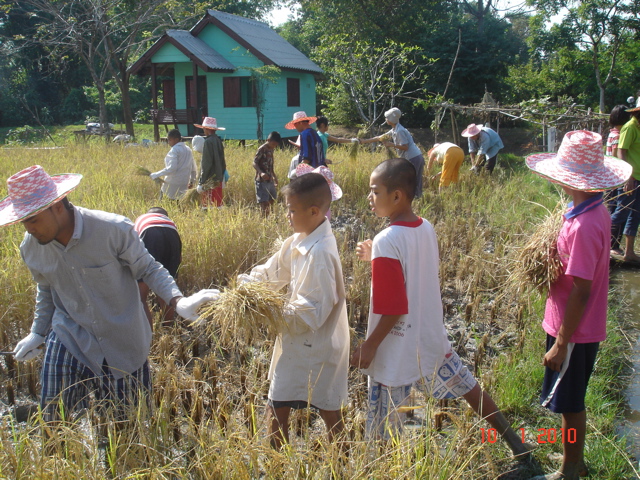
(407, 344)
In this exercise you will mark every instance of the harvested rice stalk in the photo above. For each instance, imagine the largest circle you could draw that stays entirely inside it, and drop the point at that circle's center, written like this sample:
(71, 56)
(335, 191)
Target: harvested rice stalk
(391, 152)
(353, 150)
(191, 196)
(243, 313)
(145, 172)
(538, 263)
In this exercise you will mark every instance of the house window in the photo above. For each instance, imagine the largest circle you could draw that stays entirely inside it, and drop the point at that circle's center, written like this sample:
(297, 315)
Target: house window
(238, 92)
(293, 92)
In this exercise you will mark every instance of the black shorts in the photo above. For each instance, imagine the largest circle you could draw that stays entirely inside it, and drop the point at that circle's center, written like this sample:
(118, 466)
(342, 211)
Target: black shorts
(571, 389)
(165, 246)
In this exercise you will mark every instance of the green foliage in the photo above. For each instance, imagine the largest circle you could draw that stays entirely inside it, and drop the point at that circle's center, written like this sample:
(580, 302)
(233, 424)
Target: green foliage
(24, 135)
(373, 77)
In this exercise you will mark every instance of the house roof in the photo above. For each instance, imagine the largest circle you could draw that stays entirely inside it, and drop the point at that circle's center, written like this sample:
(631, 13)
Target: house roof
(195, 49)
(260, 39)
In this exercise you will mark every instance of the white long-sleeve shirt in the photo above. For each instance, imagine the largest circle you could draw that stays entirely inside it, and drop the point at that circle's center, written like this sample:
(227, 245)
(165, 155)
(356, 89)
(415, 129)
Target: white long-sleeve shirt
(179, 171)
(310, 361)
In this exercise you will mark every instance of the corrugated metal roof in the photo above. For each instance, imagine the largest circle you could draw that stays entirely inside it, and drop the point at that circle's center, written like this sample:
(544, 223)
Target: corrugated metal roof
(204, 53)
(266, 41)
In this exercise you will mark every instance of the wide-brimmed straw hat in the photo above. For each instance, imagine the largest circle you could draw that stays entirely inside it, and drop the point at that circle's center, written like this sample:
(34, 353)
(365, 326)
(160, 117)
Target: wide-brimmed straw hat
(299, 117)
(209, 122)
(31, 191)
(580, 164)
(304, 168)
(471, 130)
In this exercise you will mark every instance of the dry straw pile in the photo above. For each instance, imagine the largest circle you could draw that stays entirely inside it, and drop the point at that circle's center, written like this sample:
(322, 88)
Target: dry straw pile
(245, 312)
(538, 264)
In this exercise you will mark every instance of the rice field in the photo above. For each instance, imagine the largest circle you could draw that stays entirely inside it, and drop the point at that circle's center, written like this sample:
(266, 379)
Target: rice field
(206, 413)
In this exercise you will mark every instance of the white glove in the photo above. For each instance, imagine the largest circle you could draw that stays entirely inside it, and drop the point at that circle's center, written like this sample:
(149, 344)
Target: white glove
(245, 278)
(354, 140)
(187, 307)
(27, 348)
(154, 175)
(200, 189)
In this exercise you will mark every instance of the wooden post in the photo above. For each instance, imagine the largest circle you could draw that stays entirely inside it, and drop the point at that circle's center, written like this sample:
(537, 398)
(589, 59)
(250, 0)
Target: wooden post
(197, 97)
(154, 96)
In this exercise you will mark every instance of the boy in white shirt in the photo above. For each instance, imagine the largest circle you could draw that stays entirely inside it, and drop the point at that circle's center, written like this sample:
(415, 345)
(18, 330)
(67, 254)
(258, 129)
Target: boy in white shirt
(311, 359)
(407, 343)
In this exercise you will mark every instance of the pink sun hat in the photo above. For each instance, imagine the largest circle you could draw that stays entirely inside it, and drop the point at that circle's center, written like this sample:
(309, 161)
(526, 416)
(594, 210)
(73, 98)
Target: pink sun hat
(209, 122)
(297, 118)
(304, 168)
(31, 191)
(472, 130)
(580, 164)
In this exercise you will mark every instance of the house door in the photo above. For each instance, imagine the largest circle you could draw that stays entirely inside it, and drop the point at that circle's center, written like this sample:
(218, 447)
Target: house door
(169, 94)
(199, 104)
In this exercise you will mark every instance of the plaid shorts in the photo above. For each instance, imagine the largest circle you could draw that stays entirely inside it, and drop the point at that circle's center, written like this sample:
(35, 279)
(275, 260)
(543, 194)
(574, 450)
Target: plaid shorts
(67, 384)
(452, 380)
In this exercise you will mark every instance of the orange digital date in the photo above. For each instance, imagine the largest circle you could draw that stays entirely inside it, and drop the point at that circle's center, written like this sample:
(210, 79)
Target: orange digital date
(545, 435)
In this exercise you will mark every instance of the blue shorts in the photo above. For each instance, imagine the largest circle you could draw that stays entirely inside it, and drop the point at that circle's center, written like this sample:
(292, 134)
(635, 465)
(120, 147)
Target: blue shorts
(265, 191)
(564, 391)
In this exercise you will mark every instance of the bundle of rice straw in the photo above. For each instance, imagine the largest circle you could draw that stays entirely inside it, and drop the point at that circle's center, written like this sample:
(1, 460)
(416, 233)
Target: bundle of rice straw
(391, 152)
(244, 312)
(192, 197)
(538, 263)
(145, 172)
(353, 150)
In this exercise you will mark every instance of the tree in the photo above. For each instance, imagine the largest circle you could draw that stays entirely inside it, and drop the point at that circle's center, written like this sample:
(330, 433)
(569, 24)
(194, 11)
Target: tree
(597, 27)
(373, 77)
(106, 34)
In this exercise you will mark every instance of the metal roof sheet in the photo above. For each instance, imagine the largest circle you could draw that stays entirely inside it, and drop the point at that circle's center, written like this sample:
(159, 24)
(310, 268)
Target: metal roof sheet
(263, 39)
(204, 53)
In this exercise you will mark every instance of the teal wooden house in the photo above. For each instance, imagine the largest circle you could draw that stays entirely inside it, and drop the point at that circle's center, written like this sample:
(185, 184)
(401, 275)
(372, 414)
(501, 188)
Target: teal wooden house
(216, 69)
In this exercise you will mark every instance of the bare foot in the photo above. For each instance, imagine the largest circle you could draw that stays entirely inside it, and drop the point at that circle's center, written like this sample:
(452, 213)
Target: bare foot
(617, 251)
(631, 257)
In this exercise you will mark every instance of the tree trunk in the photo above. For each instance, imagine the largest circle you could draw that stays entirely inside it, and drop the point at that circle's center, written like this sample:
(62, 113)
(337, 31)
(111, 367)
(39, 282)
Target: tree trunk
(127, 114)
(102, 102)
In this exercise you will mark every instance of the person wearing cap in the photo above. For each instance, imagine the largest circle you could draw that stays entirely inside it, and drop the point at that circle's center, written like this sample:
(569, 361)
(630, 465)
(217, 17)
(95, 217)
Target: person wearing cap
(576, 309)
(626, 217)
(179, 170)
(212, 165)
(88, 312)
(403, 142)
(451, 157)
(311, 151)
(484, 145)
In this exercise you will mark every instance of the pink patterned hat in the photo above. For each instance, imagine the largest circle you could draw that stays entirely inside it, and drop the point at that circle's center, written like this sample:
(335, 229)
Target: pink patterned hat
(580, 164)
(31, 191)
(209, 122)
(304, 168)
(472, 130)
(297, 118)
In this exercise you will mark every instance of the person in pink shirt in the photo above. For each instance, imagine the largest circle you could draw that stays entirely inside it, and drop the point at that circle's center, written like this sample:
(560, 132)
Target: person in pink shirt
(576, 310)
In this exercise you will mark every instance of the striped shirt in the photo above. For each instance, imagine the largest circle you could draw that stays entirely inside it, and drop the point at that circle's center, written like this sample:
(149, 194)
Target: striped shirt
(149, 220)
(612, 140)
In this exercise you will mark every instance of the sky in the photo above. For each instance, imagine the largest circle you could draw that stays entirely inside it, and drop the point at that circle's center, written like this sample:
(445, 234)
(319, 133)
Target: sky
(281, 15)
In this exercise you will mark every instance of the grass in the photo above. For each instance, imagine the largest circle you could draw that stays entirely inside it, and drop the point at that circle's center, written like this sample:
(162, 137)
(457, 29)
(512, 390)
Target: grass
(208, 399)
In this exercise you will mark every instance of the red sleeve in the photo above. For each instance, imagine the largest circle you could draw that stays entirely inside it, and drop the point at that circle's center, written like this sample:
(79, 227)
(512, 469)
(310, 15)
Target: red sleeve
(388, 288)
